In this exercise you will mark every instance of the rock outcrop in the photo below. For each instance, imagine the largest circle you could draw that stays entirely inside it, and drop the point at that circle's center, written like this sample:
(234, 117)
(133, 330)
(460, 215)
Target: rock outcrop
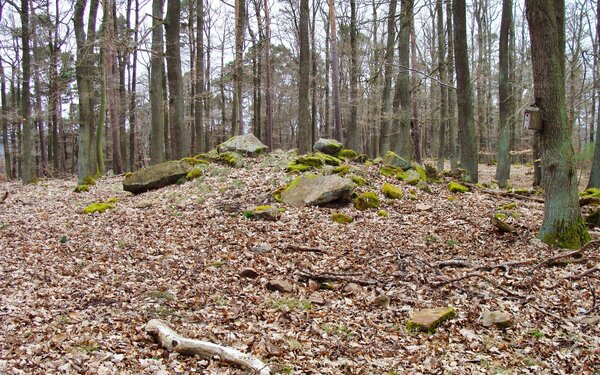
(156, 176)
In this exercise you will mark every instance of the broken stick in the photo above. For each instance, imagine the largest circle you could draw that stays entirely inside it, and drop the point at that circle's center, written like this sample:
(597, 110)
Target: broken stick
(173, 341)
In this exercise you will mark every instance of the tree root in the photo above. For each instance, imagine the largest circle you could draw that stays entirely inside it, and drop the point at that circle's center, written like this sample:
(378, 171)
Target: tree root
(172, 341)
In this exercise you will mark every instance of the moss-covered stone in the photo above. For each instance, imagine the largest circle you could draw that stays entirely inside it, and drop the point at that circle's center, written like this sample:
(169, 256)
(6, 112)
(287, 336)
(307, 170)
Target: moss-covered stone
(346, 154)
(391, 191)
(100, 207)
(431, 172)
(341, 218)
(81, 188)
(246, 144)
(424, 186)
(358, 180)
(89, 180)
(156, 176)
(328, 146)
(393, 159)
(312, 190)
(310, 160)
(590, 193)
(420, 170)
(428, 320)
(328, 159)
(265, 212)
(342, 170)
(383, 213)
(194, 173)
(523, 191)
(455, 187)
(411, 177)
(567, 236)
(389, 170)
(232, 158)
(366, 201)
(297, 168)
(362, 159)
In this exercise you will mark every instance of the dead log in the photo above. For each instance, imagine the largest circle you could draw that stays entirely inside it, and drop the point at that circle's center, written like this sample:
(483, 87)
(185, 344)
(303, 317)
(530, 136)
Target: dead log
(173, 341)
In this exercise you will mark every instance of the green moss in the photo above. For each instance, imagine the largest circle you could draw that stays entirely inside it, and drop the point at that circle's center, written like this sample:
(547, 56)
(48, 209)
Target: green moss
(198, 159)
(194, 173)
(451, 198)
(295, 167)
(412, 177)
(420, 170)
(500, 216)
(342, 170)
(262, 208)
(311, 161)
(346, 154)
(383, 213)
(572, 235)
(98, 207)
(480, 185)
(362, 159)
(430, 327)
(431, 172)
(81, 188)
(358, 180)
(455, 187)
(89, 180)
(328, 159)
(341, 218)
(508, 206)
(391, 191)
(277, 193)
(248, 214)
(366, 201)
(232, 158)
(523, 191)
(389, 170)
(590, 193)
(128, 174)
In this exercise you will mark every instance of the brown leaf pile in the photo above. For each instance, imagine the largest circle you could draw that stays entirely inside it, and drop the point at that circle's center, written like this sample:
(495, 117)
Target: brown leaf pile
(77, 289)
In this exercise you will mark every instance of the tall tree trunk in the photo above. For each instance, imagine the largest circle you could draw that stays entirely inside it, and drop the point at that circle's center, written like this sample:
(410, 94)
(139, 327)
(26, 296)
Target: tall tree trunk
(451, 93)
(4, 121)
(304, 136)
(504, 97)
(175, 80)
(111, 72)
(414, 122)
(401, 140)
(157, 133)
(39, 122)
(594, 181)
(314, 55)
(563, 225)
(464, 95)
(237, 110)
(335, 75)
(268, 83)
(327, 124)
(352, 134)
(132, 99)
(199, 97)
(443, 91)
(386, 110)
(27, 155)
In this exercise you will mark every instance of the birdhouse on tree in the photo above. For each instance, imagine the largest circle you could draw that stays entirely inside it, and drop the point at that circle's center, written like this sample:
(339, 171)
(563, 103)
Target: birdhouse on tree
(532, 118)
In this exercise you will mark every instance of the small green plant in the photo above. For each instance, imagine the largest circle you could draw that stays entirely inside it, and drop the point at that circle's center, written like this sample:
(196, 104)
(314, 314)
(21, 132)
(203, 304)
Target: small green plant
(81, 188)
(290, 304)
(216, 263)
(157, 294)
(63, 239)
(122, 244)
(431, 238)
(87, 346)
(451, 243)
(340, 329)
(535, 333)
(248, 214)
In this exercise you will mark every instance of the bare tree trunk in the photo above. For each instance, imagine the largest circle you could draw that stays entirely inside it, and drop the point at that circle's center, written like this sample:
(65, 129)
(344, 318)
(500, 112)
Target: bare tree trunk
(386, 110)
(464, 95)
(414, 123)
(443, 91)
(28, 175)
(327, 124)
(175, 79)
(39, 123)
(268, 83)
(157, 134)
(451, 93)
(594, 181)
(563, 225)
(111, 75)
(352, 135)
(304, 136)
(237, 110)
(199, 97)
(335, 75)
(4, 121)
(132, 102)
(313, 75)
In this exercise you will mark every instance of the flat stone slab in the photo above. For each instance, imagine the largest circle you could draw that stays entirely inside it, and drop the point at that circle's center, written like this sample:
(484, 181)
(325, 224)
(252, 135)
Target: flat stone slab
(156, 176)
(427, 320)
(246, 144)
(317, 191)
(499, 319)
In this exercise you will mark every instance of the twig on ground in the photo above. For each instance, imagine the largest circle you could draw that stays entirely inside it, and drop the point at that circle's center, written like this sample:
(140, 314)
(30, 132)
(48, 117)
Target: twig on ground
(458, 263)
(506, 265)
(305, 249)
(173, 341)
(331, 277)
(583, 274)
(550, 261)
(505, 193)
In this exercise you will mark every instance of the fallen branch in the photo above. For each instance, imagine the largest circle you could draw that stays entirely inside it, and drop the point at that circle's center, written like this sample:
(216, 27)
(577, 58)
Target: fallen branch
(505, 265)
(505, 193)
(588, 200)
(172, 341)
(331, 277)
(583, 274)
(458, 263)
(570, 254)
(304, 249)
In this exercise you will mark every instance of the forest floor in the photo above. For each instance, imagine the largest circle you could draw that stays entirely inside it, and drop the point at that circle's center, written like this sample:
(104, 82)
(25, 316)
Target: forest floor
(77, 289)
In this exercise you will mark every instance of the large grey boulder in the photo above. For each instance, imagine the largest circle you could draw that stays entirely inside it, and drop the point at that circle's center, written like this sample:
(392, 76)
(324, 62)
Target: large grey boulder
(391, 158)
(156, 176)
(317, 190)
(246, 144)
(327, 146)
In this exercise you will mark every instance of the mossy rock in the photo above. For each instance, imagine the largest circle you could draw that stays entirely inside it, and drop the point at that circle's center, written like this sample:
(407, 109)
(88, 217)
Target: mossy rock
(361, 159)
(389, 170)
(297, 168)
(391, 191)
(100, 207)
(431, 172)
(523, 191)
(428, 320)
(391, 158)
(156, 176)
(342, 170)
(194, 161)
(194, 173)
(310, 160)
(455, 187)
(358, 180)
(232, 158)
(266, 212)
(508, 206)
(246, 144)
(590, 193)
(81, 188)
(419, 169)
(312, 190)
(89, 180)
(411, 177)
(593, 219)
(346, 154)
(424, 186)
(383, 213)
(366, 201)
(341, 218)
(327, 146)
(328, 159)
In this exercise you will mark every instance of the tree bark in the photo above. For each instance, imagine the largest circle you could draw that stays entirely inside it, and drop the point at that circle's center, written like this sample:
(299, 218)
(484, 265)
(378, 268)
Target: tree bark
(199, 97)
(352, 134)
(442, 74)
(504, 97)
(240, 21)
(414, 123)
(28, 174)
(132, 99)
(4, 122)
(157, 133)
(111, 77)
(268, 83)
(39, 122)
(563, 225)
(175, 79)
(594, 181)
(304, 136)
(335, 75)
(386, 110)
(466, 127)
(451, 93)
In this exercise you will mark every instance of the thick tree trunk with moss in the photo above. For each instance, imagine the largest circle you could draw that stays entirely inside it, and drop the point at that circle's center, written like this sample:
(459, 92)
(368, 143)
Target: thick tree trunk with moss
(563, 225)
(466, 126)
(504, 97)
(304, 136)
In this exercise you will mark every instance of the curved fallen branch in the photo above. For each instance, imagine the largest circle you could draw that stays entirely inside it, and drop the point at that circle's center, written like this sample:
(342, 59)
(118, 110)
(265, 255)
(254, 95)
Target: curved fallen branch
(173, 341)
